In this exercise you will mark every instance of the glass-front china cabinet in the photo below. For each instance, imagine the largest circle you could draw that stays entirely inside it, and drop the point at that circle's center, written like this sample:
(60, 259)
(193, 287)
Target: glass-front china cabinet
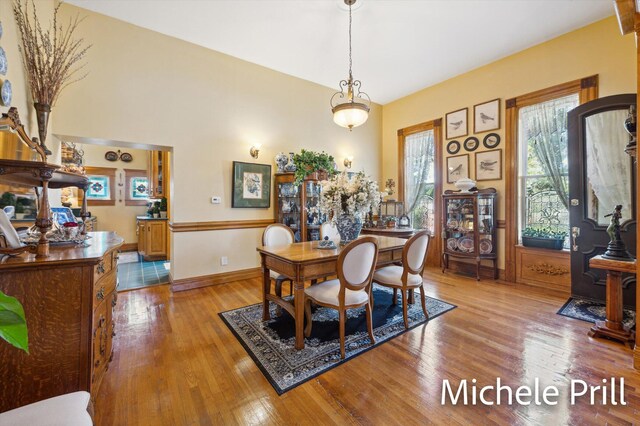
(297, 206)
(469, 227)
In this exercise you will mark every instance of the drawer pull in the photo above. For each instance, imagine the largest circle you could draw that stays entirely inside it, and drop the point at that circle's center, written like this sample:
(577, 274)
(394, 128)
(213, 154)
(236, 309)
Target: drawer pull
(100, 268)
(114, 302)
(100, 294)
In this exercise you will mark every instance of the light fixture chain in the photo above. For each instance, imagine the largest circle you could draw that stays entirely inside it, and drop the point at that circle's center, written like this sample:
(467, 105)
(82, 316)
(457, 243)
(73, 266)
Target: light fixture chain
(350, 60)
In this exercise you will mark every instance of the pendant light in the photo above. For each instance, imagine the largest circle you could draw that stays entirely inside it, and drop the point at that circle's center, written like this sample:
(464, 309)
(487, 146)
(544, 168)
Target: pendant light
(350, 109)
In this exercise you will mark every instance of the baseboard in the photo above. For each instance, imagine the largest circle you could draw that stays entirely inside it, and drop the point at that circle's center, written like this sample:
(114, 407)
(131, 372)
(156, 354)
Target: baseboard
(183, 284)
(486, 272)
(129, 247)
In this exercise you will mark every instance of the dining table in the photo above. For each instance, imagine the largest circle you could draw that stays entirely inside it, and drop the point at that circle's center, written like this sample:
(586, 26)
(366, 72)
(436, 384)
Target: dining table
(307, 262)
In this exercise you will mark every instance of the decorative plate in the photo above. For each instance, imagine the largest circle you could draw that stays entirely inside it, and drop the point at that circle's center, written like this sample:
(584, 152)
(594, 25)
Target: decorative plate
(465, 244)
(6, 94)
(453, 147)
(126, 157)
(491, 140)
(452, 244)
(3, 62)
(485, 246)
(452, 223)
(471, 143)
(111, 156)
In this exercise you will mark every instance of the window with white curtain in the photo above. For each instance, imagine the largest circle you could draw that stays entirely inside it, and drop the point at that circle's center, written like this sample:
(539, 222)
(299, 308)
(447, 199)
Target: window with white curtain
(543, 171)
(419, 181)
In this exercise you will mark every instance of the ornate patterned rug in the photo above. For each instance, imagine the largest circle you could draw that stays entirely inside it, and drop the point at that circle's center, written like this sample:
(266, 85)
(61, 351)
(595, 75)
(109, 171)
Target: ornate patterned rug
(589, 310)
(271, 343)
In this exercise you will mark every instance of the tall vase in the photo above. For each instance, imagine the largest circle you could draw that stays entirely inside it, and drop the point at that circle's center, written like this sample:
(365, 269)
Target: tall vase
(349, 227)
(42, 115)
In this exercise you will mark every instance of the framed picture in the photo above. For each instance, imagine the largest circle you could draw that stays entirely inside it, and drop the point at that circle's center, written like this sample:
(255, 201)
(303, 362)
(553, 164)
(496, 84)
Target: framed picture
(457, 167)
(251, 185)
(457, 123)
(489, 165)
(486, 116)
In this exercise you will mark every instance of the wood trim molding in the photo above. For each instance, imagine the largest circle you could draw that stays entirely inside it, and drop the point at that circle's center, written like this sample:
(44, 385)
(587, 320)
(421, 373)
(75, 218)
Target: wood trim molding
(625, 12)
(110, 172)
(219, 225)
(129, 247)
(587, 90)
(213, 279)
(129, 173)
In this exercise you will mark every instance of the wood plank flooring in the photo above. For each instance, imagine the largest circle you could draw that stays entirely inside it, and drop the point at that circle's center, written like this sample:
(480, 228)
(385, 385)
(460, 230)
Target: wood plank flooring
(176, 363)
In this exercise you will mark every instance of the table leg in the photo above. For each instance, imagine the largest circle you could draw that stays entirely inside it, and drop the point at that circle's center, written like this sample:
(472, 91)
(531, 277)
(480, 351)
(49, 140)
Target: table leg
(266, 288)
(612, 327)
(298, 300)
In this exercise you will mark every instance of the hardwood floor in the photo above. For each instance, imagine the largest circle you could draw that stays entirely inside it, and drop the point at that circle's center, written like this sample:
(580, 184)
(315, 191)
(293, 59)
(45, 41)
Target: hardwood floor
(176, 363)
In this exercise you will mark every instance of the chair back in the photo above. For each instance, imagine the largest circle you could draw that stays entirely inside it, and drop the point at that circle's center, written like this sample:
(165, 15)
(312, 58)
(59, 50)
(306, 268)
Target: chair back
(356, 264)
(414, 253)
(277, 235)
(330, 230)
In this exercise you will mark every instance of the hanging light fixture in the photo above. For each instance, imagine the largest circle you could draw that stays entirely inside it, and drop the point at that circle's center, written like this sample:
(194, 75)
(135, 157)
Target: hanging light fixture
(350, 109)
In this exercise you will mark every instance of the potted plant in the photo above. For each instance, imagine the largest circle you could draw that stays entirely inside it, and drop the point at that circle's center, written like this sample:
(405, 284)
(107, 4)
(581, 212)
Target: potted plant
(156, 209)
(13, 326)
(313, 165)
(163, 208)
(543, 238)
(390, 222)
(20, 211)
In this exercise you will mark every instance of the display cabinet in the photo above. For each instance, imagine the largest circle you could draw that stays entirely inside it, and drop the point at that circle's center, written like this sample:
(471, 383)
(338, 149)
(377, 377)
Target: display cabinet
(469, 227)
(297, 206)
(158, 170)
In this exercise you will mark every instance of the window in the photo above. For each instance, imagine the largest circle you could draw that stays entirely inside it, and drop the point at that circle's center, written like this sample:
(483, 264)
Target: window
(543, 179)
(101, 191)
(137, 187)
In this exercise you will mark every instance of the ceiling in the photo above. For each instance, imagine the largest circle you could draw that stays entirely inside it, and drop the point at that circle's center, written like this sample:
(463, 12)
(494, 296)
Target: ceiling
(399, 46)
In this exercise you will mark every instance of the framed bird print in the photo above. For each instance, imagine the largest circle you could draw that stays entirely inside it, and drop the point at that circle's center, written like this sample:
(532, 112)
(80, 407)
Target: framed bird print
(457, 167)
(457, 123)
(489, 165)
(251, 185)
(486, 116)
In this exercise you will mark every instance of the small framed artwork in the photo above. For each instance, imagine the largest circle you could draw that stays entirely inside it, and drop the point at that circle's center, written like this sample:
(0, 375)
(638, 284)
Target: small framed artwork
(251, 185)
(491, 140)
(486, 116)
(471, 143)
(457, 167)
(453, 147)
(457, 125)
(489, 165)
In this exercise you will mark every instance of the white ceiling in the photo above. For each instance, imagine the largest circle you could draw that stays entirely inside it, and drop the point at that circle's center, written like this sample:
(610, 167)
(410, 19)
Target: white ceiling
(399, 46)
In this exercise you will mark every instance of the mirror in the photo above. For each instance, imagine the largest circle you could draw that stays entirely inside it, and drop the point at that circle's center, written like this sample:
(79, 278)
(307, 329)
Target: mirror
(609, 170)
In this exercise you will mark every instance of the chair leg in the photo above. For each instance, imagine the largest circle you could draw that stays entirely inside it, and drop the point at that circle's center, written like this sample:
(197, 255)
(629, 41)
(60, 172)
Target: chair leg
(279, 294)
(370, 323)
(424, 302)
(342, 315)
(307, 315)
(394, 301)
(403, 293)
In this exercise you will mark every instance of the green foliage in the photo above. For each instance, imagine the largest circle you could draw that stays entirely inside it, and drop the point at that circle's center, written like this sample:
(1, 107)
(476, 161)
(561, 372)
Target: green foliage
(307, 162)
(163, 204)
(13, 326)
(544, 233)
(7, 199)
(156, 207)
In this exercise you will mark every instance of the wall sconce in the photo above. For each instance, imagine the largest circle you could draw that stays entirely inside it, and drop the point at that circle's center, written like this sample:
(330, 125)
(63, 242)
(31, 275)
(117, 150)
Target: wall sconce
(348, 161)
(254, 151)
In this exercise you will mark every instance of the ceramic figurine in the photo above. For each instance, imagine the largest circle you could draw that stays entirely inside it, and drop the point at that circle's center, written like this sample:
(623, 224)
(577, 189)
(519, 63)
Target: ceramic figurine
(281, 161)
(290, 167)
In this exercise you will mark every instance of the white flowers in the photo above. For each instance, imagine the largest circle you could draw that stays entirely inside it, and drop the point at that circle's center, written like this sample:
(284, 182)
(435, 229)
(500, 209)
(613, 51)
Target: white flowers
(342, 194)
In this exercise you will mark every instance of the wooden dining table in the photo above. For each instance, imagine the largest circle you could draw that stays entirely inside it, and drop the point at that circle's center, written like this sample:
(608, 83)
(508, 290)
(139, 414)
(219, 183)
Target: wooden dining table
(303, 262)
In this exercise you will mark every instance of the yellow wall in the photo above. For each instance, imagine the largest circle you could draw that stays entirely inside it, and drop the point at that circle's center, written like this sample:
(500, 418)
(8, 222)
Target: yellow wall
(147, 88)
(595, 49)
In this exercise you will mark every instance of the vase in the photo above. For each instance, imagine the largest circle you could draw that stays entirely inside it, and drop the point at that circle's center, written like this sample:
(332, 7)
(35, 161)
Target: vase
(281, 161)
(349, 227)
(42, 116)
(290, 167)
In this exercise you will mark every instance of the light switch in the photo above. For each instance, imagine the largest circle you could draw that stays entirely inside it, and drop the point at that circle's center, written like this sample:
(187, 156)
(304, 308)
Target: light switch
(216, 200)
(224, 261)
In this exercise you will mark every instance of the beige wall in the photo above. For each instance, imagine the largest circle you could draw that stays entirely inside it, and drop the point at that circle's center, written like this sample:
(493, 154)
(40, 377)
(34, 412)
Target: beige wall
(596, 49)
(147, 88)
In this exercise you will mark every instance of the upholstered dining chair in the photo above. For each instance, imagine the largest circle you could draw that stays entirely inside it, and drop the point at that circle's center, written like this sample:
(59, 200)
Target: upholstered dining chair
(352, 288)
(409, 275)
(278, 235)
(330, 230)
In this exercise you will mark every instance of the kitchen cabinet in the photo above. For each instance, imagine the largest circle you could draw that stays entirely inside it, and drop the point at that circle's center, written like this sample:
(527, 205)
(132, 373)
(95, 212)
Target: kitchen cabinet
(152, 238)
(158, 174)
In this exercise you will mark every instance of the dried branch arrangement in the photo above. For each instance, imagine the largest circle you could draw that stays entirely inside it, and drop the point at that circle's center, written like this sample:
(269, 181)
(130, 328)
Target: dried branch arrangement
(51, 57)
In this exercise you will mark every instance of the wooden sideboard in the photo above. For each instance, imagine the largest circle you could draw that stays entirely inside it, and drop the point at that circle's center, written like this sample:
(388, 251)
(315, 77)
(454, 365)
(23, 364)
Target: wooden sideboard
(68, 300)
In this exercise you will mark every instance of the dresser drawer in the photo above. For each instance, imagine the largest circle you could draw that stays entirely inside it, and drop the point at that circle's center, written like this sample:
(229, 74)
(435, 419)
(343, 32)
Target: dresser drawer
(103, 267)
(99, 340)
(104, 287)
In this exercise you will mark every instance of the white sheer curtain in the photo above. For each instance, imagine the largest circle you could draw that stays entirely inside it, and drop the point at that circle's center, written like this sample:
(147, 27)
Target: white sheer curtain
(419, 155)
(608, 166)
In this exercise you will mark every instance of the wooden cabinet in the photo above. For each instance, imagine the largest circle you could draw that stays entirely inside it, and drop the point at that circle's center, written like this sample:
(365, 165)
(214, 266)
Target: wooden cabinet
(295, 206)
(158, 174)
(152, 239)
(68, 300)
(469, 227)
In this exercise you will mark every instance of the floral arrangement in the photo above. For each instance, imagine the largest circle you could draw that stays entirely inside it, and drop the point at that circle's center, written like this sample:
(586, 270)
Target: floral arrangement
(354, 195)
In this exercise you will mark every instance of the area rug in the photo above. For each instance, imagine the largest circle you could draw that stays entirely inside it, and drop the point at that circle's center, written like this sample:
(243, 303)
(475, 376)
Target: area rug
(271, 343)
(590, 310)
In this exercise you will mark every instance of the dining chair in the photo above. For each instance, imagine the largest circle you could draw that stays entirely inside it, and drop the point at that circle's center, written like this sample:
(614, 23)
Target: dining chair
(408, 276)
(330, 230)
(278, 235)
(352, 288)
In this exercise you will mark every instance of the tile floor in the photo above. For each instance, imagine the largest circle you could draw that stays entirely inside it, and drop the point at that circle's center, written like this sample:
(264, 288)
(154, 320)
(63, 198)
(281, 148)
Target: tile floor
(134, 274)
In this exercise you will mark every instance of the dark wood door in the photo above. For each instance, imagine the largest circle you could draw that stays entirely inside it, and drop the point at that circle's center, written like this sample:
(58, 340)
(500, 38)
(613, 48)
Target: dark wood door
(601, 175)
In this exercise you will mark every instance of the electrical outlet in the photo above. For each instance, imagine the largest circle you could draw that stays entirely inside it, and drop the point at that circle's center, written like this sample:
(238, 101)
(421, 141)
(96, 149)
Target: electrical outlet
(224, 261)
(216, 200)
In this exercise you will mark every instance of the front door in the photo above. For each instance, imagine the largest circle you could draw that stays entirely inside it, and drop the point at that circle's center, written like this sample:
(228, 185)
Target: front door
(601, 175)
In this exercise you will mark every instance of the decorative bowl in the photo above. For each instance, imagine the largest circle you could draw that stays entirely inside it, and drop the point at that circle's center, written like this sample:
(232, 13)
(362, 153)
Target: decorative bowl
(465, 184)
